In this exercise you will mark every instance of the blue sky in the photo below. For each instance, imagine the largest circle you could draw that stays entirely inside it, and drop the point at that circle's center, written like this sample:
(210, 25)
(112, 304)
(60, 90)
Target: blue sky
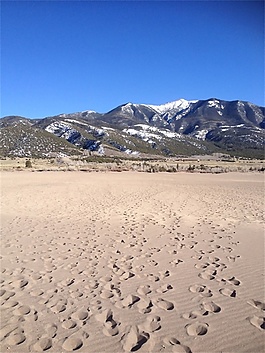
(68, 56)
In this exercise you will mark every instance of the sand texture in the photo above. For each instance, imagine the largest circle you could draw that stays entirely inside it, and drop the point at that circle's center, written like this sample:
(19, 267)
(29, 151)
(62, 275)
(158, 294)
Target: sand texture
(125, 262)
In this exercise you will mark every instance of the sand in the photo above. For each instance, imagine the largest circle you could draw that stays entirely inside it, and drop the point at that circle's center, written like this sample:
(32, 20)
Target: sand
(120, 262)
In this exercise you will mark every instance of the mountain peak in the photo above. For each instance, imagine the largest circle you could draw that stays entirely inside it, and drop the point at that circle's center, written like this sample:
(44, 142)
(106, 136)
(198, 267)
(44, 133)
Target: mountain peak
(177, 105)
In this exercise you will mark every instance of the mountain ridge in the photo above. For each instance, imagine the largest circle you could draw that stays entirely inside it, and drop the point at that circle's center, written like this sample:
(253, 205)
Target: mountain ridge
(169, 129)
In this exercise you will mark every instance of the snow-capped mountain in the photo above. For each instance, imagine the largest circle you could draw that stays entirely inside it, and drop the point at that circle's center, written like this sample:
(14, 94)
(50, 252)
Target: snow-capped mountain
(172, 109)
(176, 106)
(179, 127)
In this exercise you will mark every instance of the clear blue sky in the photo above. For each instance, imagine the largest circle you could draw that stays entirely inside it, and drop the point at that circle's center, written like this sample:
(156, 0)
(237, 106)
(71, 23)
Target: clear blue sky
(68, 56)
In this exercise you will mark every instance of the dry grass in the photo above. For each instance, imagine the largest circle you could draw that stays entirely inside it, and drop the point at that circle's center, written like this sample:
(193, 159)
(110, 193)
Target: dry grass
(191, 165)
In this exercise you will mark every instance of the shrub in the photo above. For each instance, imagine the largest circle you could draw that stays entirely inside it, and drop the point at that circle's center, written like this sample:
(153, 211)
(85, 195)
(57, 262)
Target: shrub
(191, 168)
(28, 163)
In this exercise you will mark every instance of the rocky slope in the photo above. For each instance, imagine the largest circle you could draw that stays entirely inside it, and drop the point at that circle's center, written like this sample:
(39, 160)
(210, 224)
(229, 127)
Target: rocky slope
(177, 128)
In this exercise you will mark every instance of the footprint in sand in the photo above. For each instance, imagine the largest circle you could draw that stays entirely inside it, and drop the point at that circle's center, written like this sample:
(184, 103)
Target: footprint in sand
(257, 304)
(144, 290)
(257, 321)
(80, 315)
(67, 282)
(109, 324)
(233, 280)
(37, 292)
(9, 329)
(72, 343)
(211, 307)
(172, 252)
(51, 330)
(6, 294)
(220, 265)
(164, 274)
(129, 301)
(110, 328)
(197, 329)
(152, 262)
(145, 305)
(22, 310)
(151, 324)
(105, 279)
(19, 283)
(106, 294)
(177, 346)
(15, 339)
(197, 257)
(134, 339)
(208, 274)
(75, 294)
(195, 314)
(201, 289)
(104, 316)
(228, 249)
(10, 304)
(176, 262)
(153, 277)
(227, 292)
(109, 289)
(232, 258)
(93, 284)
(58, 308)
(214, 258)
(69, 324)
(164, 304)
(126, 275)
(202, 266)
(165, 288)
(43, 344)
(2, 292)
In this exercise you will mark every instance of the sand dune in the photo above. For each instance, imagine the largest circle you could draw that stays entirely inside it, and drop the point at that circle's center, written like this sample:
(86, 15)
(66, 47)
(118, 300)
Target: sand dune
(124, 262)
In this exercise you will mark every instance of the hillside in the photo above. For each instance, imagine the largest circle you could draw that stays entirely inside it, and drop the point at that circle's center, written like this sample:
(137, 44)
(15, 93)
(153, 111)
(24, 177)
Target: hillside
(172, 129)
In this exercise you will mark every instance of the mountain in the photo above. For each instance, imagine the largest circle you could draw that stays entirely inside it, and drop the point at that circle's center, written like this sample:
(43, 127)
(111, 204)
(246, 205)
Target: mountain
(20, 137)
(177, 128)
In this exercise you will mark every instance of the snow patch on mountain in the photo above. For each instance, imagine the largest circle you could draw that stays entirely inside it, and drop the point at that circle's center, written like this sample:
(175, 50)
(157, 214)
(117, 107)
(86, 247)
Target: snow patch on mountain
(101, 150)
(134, 153)
(58, 127)
(108, 128)
(97, 131)
(127, 108)
(146, 127)
(64, 130)
(147, 133)
(215, 103)
(144, 135)
(231, 126)
(201, 135)
(75, 121)
(89, 111)
(178, 105)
